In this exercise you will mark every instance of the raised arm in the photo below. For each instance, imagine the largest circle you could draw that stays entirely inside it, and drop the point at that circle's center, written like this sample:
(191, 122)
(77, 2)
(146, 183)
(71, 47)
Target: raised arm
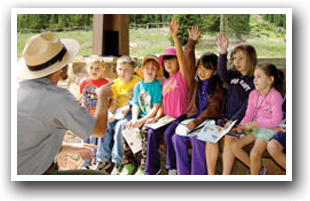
(222, 44)
(173, 29)
(189, 59)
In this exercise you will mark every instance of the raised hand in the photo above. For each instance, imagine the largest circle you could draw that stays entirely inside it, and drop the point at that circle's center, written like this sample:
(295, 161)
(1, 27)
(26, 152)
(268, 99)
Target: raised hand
(174, 27)
(222, 43)
(194, 33)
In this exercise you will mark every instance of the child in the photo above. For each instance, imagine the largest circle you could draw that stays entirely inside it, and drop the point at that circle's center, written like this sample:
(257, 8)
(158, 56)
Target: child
(146, 102)
(277, 145)
(263, 114)
(240, 83)
(174, 104)
(122, 98)
(206, 100)
(88, 86)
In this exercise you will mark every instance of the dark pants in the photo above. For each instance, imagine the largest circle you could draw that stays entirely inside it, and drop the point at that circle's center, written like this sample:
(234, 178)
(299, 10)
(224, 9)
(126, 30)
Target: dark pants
(152, 164)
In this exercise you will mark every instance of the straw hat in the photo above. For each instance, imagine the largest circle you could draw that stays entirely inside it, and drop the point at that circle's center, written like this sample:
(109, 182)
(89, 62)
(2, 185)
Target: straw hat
(45, 54)
(138, 70)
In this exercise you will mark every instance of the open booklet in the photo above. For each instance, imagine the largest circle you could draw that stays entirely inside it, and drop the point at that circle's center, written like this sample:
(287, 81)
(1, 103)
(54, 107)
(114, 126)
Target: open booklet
(133, 138)
(184, 131)
(213, 133)
(161, 122)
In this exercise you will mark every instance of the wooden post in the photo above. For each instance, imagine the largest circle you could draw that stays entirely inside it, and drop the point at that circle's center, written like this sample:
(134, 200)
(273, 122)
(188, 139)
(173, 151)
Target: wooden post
(98, 40)
(111, 22)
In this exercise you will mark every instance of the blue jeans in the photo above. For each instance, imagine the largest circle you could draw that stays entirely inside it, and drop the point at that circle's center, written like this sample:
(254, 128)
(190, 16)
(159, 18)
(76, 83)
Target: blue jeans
(104, 152)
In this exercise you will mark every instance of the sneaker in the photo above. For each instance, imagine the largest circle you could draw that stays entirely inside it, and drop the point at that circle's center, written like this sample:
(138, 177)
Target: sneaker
(128, 169)
(102, 166)
(117, 169)
(85, 167)
(172, 172)
(263, 171)
(140, 172)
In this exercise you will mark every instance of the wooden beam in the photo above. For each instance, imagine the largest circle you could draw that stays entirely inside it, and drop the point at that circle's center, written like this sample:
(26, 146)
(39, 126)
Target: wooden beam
(98, 34)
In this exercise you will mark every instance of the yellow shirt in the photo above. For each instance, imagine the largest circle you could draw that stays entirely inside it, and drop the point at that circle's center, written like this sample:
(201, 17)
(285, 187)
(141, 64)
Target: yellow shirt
(123, 92)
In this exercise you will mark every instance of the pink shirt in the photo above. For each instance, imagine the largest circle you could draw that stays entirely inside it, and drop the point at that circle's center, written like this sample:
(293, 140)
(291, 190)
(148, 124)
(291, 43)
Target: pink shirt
(266, 107)
(174, 95)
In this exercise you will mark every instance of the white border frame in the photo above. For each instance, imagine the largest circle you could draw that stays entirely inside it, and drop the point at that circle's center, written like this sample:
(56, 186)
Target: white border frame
(15, 11)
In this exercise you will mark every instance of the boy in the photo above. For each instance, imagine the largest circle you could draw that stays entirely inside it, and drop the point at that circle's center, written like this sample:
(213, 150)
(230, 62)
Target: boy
(122, 100)
(146, 103)
(88, 86)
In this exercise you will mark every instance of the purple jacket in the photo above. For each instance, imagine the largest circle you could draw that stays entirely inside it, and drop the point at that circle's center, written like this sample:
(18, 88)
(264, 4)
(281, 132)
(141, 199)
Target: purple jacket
(238, 91)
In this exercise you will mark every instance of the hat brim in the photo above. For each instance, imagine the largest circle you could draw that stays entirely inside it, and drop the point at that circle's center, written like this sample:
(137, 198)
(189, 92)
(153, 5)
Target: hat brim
(72, 47)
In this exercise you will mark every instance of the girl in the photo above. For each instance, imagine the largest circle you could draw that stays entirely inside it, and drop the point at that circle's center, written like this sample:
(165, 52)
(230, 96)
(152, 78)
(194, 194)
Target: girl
(174, 94)
(240, 83)
(206, 100)
(263, 114)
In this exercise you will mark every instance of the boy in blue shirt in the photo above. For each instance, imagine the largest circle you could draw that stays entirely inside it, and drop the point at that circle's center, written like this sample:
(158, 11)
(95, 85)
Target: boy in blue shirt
(146, 102)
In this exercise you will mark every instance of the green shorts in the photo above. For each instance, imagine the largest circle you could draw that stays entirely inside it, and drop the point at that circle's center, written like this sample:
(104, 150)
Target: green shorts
(264, 133)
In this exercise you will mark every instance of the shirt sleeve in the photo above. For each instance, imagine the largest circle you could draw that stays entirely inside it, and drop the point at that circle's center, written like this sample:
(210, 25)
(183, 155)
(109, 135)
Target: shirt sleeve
(249, 114)
(222, 68)
(136, 92)
(74, 117)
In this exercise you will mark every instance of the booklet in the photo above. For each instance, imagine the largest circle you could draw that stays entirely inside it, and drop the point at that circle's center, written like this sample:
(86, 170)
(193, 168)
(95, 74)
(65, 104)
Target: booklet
(184, 131)
(133, 138)
(213, 133)
(161, 122)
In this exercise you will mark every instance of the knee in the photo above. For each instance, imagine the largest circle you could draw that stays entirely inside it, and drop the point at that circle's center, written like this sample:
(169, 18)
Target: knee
(234, 146)
(272, 148)
(255, 154)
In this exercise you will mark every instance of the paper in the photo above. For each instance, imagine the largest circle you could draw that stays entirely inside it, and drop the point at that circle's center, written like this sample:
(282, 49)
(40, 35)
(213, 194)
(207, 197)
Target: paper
(184, 131)
(133, 138)
(213, 133)
(161, 122)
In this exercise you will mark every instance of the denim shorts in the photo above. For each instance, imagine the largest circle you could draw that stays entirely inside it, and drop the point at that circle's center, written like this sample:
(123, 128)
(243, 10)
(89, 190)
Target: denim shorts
(281, 138)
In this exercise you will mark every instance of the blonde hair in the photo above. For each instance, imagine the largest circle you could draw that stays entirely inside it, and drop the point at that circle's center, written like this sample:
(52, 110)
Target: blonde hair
(126, 60)
(95, 61)
(251, 57)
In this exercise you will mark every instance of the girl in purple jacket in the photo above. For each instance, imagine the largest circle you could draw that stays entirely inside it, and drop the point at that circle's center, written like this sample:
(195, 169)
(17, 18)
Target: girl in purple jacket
(263, 115)
(243, 60)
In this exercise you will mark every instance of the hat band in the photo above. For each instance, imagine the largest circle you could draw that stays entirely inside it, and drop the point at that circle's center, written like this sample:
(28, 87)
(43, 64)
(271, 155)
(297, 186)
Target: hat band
(55, 59)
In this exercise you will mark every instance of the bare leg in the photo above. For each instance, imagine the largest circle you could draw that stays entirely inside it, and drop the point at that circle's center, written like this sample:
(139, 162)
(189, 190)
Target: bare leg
(257, 151)
(228, 157)
(275, 150)
(212, 154)
(237, 148)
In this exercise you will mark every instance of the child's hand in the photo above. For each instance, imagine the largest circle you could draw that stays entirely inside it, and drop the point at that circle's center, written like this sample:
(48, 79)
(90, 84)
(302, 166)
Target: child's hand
(137, 124)
(222, 43)
(191, 125)
(249, 126)
(111, 119)
(239, 128)
(194, 33)
(228, 124)
(174, 27)
(130, 124)
(125, 110)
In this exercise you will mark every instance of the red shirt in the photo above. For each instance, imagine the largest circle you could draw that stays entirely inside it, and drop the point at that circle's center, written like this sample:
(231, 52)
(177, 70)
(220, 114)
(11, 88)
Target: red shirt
(88, 90)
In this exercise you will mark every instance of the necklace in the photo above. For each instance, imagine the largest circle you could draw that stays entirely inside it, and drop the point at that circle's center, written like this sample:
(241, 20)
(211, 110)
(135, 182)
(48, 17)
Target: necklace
(257, 106)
